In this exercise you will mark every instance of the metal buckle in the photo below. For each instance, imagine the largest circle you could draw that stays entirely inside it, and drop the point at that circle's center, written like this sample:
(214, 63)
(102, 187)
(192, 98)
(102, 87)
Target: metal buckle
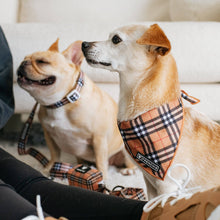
(73, 96)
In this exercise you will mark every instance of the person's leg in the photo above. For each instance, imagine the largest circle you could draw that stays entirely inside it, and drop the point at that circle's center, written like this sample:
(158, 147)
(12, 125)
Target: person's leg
(61, 200)
(6, 81)
(13, 206)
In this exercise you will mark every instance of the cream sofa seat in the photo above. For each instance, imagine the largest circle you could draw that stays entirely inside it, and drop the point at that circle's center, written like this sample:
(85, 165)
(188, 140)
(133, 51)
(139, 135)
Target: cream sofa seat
(38, 23)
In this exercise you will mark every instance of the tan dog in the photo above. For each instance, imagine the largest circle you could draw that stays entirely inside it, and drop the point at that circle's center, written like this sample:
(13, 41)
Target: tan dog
(149, 79)
(86, 128)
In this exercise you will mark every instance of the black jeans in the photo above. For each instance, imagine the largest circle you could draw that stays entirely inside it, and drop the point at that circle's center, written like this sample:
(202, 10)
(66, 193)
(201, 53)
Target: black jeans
(57, 199)
(13, 206)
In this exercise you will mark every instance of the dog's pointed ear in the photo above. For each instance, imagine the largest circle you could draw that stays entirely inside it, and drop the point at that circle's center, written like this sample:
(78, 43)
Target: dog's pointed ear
(155, 36)
(54, 47)
(74, 53)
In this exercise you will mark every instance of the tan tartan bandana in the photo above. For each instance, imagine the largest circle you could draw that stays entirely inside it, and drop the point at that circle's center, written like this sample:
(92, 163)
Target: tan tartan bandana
(153, 137)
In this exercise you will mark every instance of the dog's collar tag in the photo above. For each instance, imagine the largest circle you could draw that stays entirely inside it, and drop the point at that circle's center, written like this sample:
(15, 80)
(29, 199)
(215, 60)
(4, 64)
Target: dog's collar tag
(73, 96)
(152, 138)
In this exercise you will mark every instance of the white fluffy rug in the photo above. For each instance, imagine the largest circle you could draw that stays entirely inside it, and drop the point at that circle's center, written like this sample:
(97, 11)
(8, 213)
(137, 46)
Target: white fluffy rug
(114, 176)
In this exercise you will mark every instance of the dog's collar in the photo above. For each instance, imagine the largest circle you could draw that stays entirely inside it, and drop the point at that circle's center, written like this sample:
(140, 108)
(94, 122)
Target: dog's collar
(153, 137)
(71, 97)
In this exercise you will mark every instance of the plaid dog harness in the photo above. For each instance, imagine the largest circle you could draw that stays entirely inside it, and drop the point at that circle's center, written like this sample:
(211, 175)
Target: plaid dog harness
(153, 137)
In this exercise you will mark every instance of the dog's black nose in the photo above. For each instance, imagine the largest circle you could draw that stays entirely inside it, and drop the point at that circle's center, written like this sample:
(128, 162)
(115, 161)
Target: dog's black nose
(21, 68)
(85, 45)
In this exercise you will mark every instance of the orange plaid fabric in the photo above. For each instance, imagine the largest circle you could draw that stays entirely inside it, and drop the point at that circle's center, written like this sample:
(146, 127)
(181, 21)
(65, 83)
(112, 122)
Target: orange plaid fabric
(128, 192)
(153, 137)
(85, 177)
(80, 175)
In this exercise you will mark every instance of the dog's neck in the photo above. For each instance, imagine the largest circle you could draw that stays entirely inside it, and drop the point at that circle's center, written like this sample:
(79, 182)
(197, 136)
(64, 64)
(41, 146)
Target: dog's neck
(60, 91)
(141, 92)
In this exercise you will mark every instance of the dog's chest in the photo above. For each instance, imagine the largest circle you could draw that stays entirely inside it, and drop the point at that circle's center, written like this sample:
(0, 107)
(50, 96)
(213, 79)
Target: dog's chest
(70, 138)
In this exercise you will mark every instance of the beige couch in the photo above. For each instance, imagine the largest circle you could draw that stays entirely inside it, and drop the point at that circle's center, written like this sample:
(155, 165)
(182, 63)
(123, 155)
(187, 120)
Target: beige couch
(32, 25)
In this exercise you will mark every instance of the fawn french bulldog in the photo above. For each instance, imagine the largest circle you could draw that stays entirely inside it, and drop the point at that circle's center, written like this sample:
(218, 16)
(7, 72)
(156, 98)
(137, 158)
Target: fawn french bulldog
(76, 115)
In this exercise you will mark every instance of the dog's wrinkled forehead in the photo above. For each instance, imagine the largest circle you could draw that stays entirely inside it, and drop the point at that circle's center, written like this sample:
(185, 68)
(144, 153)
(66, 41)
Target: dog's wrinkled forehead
(46, 59)
(131, 32)
(43, 55)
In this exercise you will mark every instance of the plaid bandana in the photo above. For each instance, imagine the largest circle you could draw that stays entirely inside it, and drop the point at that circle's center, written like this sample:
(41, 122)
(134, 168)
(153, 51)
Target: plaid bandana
(153, 137)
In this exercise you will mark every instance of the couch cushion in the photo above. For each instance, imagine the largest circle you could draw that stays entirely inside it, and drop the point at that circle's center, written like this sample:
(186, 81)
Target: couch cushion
(195, 46)
(196, 49)
(87, 11)
(195, 10)
(209, 104)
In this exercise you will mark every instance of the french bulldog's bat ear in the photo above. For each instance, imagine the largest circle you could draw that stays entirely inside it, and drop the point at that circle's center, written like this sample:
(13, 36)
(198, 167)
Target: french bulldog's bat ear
(54, 47)
(74, 53)
(155, 36)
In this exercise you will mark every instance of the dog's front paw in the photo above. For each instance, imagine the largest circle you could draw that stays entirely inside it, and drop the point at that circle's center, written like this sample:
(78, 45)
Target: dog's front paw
(127, 171)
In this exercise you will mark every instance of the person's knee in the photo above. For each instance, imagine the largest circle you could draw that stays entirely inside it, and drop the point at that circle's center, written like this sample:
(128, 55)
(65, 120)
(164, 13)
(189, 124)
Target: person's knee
(4, 187)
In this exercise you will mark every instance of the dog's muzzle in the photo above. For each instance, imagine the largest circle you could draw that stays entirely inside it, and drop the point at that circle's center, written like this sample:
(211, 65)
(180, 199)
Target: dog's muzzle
(86, 46)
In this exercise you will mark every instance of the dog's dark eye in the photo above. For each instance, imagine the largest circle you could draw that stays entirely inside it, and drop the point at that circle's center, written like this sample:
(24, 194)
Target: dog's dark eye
(116, 39)
(42, 62)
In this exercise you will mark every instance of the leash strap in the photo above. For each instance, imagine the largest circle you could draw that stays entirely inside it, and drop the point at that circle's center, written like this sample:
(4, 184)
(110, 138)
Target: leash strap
(24, 138)
(60, 170)
(70, 98)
